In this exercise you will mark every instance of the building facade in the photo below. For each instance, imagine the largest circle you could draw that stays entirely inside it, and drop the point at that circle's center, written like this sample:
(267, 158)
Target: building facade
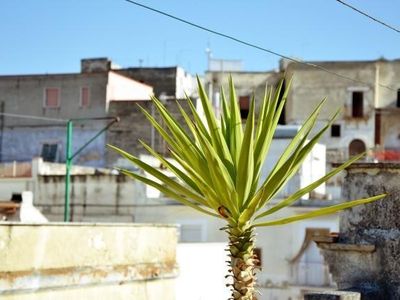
(35, 108)
(361, 124)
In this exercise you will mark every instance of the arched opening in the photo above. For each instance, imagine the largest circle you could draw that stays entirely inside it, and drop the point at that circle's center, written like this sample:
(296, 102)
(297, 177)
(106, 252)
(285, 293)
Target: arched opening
(356, 147)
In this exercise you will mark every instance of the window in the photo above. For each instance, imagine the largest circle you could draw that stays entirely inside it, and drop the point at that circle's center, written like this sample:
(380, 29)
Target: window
(335, 130)
(398, 98)
(49, 152)
(356, 147)
(52, 98)
(358, 105)
(85, 97)
(244, 104)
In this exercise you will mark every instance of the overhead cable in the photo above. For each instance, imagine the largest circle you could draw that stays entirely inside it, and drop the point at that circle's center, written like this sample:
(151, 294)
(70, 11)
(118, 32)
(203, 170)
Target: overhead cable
(369, 16)
(32, 117)
(313, 65)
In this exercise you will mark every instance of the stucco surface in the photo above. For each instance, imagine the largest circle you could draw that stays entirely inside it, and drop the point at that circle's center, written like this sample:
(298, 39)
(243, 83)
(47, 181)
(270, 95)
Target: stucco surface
(83, 261)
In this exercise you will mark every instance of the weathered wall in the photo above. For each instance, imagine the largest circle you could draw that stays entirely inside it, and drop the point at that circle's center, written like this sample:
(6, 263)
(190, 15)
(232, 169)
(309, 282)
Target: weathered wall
(389, 72)
(23, 138)
(149, 290)
(390, 128)
(93, 197)
(366, 258)
(310, 86)
(25, 95)
(246, 83)
(134, 126)
(86, 261)
(24, 143)
(94, 65)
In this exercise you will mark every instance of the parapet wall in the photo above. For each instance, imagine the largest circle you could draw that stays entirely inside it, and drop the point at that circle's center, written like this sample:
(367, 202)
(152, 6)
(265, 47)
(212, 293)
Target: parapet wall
(87, 261)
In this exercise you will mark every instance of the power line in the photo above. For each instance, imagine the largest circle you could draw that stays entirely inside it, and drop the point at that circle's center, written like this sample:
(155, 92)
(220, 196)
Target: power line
(255, 46)
(32, 117)
(369, 16)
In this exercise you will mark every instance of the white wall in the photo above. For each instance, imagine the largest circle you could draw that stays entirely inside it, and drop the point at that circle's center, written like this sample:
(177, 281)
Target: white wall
(202, 269)
(8, 186)
(312, 169)
(123, 88)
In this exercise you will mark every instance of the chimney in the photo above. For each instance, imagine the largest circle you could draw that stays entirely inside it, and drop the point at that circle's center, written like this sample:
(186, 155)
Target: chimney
(95, 65)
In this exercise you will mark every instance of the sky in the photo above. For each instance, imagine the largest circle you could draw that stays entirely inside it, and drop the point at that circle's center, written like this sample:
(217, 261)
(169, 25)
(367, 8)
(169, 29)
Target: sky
(52, 36)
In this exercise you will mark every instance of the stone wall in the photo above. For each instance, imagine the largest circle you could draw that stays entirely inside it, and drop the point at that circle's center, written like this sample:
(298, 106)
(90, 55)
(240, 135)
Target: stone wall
(366, 256)
(134, 125)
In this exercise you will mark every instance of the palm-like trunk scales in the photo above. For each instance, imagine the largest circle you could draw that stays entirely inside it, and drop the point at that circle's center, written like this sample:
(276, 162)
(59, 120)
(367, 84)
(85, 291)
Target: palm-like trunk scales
(242, 262)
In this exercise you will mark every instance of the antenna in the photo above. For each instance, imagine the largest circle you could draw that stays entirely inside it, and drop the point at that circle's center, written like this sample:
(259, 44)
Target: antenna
(209, 55)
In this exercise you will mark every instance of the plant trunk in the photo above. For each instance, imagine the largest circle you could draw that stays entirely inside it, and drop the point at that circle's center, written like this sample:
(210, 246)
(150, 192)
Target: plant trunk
(242, 262)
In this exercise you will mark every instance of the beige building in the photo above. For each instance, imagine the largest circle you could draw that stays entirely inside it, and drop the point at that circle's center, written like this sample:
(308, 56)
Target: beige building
(362, 124)
(46, 101)
(247, 85)
(369, 101)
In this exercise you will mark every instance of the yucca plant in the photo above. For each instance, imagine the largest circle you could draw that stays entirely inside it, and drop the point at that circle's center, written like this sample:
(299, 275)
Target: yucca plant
(218, 167)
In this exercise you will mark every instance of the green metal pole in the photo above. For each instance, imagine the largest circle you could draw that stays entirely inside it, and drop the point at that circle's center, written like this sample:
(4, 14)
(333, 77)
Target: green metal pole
(69, 156)
(68, 161)
(93, 138)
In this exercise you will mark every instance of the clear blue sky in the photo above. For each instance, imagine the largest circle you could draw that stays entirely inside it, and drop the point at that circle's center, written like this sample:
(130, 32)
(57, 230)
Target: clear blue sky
(51, 36)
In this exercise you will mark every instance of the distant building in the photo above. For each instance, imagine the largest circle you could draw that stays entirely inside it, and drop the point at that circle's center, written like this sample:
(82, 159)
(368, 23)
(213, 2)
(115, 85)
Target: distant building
(134, 126)
(53, 98)
(247, 85)
(370, 104)
(168, 82)
(370, 112)
(368, 107)
(171, 85)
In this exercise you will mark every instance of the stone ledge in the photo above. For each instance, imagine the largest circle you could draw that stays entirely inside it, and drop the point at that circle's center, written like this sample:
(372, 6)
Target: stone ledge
(333, 295)
(86, 224)
(346, 247)
(371, 165)
(24, 281)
